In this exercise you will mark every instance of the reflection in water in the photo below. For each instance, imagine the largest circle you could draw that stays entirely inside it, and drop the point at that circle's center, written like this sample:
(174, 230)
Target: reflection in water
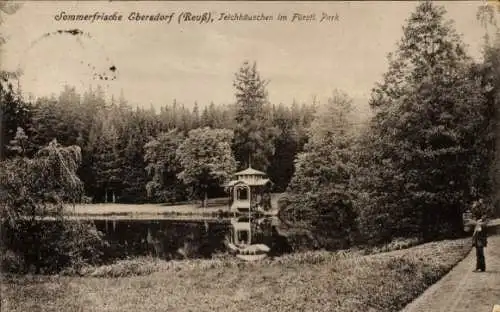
(175, 239)
(171, 239)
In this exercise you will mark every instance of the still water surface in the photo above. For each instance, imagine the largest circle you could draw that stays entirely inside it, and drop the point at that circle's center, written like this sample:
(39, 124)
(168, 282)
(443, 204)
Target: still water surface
(175, 239)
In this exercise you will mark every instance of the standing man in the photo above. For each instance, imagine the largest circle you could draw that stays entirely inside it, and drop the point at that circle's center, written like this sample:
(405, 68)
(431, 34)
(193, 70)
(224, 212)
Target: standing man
(480, 241)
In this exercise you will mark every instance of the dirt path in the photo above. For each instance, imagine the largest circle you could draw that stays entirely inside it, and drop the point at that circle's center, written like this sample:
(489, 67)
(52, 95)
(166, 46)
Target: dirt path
(461, 289)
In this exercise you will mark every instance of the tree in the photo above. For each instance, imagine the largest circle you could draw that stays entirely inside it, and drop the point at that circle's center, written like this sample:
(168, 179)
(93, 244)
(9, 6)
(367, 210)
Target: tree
(196, 116)
(34, 188)
(107, 162)
(206, 160)
(422, 142)
(254, 134)
(286, 145)
(13, 110)
(488, 72)
(162, 167)
(92, 109)
(133, 175)
(15, 114)
(62, 118)
(321, 199)
(19, 145)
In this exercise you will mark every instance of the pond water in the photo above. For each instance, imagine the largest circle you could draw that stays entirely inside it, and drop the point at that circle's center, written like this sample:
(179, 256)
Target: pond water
(163, 238)
(175, 239)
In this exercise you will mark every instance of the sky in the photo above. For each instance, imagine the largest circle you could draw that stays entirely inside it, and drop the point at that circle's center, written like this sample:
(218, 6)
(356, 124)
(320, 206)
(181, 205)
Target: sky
(156, 62)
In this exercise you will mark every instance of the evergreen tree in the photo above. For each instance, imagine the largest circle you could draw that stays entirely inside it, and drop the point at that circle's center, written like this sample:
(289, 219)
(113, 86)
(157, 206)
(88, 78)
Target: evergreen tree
(254, 134)
(205, 118)
(19, 145)
(92, 108)
(133, 174)
(422, 143)
(196, 116)
(286, 146)
(15, 113)
(489, 73)
(106, 164)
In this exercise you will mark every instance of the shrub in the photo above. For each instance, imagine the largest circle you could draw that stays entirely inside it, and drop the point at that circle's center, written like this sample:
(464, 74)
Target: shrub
(83, 244)
(32, 190)
(50, 246)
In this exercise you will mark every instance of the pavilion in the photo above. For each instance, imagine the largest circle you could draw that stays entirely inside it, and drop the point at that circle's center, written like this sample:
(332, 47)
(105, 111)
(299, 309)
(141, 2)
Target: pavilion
(250, 191)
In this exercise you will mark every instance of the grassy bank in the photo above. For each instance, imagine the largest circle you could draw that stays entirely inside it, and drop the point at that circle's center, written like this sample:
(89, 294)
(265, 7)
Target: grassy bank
(315, 281)
(214, 205)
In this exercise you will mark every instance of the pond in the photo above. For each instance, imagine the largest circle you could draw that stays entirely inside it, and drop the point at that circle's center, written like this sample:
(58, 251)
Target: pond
(171, 238)
(176, 239)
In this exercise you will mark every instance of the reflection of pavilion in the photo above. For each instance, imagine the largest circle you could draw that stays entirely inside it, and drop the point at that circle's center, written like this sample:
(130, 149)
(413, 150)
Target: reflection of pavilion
(250, 191)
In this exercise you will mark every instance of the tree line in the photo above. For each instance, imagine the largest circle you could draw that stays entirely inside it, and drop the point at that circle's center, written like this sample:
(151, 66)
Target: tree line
(134, 155)
(426, 155)
(429, 152)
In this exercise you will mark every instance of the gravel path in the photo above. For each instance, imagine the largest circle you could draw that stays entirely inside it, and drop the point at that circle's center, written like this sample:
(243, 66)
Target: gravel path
(461, 289)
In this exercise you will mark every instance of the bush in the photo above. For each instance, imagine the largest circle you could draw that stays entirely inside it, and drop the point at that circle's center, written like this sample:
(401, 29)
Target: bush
(83, 243)
(10, 261)
(49, 246)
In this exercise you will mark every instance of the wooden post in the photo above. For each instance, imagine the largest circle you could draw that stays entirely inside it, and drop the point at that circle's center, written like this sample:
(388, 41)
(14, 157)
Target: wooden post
(249, 216)
(205, 201)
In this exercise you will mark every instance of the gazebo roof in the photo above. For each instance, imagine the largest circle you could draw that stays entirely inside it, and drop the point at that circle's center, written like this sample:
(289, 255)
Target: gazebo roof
(250, 171)
(261, 182)
(233, 183)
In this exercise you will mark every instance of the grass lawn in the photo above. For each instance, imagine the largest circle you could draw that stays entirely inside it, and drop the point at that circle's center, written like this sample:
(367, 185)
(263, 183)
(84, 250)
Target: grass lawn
(314, 281)
(214, 205)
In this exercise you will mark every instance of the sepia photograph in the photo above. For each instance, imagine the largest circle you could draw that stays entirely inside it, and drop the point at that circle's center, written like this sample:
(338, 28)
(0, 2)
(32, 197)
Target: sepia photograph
(201, 156)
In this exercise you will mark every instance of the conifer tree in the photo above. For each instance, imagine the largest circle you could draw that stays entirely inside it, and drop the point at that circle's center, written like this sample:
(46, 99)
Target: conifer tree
(254, 133)
(422, 142)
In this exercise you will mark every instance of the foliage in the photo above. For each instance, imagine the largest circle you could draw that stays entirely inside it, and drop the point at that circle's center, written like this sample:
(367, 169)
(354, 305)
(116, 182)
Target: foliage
(163, 167)
(107, 167)
(321, 197)
(13, 110)
(15, 114)
(418, 167)
(206, 159)
(19, 145)
(291, 124)
(253, 134)
(488, 72)
(481, 209)
(59, 245)
(113, 138)
(33, 189)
